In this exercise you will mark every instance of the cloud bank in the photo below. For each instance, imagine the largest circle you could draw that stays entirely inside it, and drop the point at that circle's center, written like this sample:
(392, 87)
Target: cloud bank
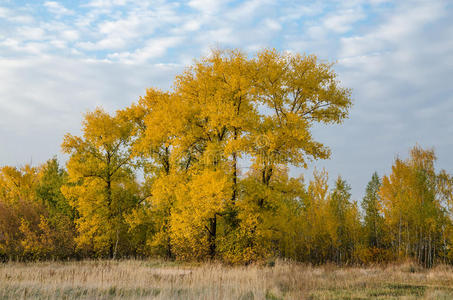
(59, 59)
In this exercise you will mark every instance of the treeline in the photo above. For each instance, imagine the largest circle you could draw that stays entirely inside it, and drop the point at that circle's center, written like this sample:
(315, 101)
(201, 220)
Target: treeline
(214, 155)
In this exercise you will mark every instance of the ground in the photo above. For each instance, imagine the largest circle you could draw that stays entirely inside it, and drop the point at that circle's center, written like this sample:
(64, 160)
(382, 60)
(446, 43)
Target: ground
(152, 279)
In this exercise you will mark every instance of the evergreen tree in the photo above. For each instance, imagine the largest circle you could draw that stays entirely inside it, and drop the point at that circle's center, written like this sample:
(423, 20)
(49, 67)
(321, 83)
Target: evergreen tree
(373, 220)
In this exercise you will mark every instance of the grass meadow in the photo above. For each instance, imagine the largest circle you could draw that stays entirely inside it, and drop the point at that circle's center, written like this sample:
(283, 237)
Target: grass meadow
(153, 279)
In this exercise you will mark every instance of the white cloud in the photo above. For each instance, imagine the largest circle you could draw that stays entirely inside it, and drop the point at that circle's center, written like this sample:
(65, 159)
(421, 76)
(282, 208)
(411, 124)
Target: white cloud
(394, 32)
(191, 25)
(16, 17)
(273, 25)
(106, 3)
(122, 27)
(4, 12)
(297, 11)
(70, 35)
(317, 32)
(110, 43)
(31, 33)
(153, 48)
(16, 47)
(129, 29)
(43, 98)
(343, 20)
(57, 9)
(207, 6)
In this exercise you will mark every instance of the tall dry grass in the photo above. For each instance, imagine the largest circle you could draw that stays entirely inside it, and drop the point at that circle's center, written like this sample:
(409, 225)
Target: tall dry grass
(133, 279)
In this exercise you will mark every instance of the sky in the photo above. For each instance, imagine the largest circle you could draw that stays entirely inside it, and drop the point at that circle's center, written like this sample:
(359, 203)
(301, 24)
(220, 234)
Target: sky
(60, 59)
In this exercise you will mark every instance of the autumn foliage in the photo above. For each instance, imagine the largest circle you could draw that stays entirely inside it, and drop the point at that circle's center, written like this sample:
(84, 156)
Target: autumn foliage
(213, 156)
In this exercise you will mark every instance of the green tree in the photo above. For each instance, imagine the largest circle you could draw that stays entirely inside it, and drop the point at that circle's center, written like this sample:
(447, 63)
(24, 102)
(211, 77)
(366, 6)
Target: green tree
(345, 232)
(373, 219)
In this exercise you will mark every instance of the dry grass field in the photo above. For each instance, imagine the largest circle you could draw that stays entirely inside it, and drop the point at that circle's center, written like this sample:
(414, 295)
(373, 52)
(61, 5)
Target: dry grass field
(133, 279)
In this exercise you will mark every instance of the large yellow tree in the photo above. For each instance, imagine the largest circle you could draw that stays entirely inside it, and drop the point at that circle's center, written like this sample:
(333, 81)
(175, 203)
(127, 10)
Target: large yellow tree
(226, 109)
(102, 186)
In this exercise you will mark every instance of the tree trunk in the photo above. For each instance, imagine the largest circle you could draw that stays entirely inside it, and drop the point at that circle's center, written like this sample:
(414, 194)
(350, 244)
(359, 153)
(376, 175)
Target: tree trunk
(235, 178)
(116, 243)
(212, 236)
(235, 171)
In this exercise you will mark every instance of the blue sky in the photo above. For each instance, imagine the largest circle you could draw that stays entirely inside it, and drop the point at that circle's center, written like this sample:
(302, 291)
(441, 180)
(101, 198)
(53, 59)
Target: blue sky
(59, 59)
